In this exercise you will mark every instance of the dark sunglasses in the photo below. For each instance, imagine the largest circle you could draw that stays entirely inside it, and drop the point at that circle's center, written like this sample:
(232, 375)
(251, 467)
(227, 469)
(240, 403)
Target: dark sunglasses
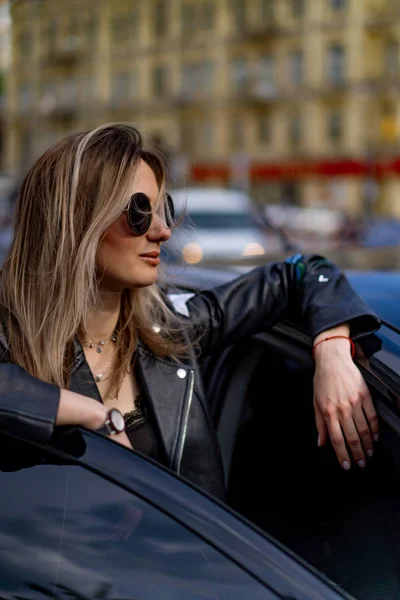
(139, 213)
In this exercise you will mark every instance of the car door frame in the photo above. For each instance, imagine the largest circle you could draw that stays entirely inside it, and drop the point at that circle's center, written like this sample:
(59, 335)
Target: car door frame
(266, 560)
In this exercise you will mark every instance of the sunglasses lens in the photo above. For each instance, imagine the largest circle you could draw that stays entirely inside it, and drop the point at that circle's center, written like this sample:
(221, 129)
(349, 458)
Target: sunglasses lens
(139, 215)
(171, 211)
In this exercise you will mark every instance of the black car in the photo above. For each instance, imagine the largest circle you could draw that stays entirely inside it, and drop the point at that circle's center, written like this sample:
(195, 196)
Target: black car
(87, 518)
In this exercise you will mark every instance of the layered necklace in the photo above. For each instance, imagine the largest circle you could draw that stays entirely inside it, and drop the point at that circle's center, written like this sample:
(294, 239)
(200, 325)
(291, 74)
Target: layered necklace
(101, 371)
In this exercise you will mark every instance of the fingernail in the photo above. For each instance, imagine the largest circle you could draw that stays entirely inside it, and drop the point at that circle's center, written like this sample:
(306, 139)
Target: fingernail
(361, 463)
(370, 453)
(376, 437)
(346, 465)
(319, 441)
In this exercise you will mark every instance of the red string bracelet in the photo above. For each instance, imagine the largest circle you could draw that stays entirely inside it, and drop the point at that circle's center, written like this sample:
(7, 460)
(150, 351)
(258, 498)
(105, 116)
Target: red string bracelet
(333, 337)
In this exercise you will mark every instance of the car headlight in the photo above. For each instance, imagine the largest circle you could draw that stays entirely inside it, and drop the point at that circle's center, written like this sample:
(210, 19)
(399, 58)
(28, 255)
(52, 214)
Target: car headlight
(192, 253)
(253, 249)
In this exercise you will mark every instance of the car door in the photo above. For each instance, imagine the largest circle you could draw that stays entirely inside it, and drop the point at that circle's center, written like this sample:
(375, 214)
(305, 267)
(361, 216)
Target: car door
(347, 525)
(87, 518)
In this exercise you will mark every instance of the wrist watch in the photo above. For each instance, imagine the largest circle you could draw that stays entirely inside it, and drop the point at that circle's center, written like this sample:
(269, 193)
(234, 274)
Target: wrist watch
(114, 423)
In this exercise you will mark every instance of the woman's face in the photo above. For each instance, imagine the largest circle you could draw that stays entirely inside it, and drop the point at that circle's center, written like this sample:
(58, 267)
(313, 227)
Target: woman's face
(125, 260)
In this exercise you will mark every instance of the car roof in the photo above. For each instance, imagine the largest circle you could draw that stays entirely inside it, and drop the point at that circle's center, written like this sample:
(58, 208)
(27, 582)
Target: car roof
(210, 200)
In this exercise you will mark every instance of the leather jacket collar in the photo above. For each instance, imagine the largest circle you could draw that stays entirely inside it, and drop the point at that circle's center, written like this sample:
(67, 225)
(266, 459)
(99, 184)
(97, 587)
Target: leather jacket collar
(168, 386)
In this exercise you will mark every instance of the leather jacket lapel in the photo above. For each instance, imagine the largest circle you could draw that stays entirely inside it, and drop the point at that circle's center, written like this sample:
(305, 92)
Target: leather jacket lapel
(166, 387)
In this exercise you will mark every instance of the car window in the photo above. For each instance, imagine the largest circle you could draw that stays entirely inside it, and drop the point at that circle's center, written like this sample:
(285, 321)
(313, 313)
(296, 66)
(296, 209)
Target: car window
(220, 220)
(67, 532)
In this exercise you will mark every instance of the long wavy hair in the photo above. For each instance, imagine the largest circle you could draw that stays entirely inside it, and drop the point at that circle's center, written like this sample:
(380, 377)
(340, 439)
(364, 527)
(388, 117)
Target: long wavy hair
(49, 282)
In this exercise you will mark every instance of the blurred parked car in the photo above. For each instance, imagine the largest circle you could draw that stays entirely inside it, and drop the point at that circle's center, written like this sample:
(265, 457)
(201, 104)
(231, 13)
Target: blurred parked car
(217, 223)
(313, 228)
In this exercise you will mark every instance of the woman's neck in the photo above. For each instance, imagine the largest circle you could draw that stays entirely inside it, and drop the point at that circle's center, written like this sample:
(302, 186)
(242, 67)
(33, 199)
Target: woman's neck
(102, 320)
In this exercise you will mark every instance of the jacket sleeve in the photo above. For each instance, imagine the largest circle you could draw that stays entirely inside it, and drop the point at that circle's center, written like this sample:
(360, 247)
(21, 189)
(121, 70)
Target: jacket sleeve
(28, 406)
(309, 289)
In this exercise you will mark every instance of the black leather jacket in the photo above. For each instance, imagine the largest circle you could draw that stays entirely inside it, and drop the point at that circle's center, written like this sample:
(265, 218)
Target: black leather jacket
(308, 286)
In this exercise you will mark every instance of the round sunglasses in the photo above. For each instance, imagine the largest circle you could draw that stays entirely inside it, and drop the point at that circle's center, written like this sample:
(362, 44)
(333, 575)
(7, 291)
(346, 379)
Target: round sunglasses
(139, 213)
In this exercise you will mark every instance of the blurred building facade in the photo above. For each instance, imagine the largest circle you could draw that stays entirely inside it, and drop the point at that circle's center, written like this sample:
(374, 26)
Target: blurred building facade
(298, 99)
(5, 25)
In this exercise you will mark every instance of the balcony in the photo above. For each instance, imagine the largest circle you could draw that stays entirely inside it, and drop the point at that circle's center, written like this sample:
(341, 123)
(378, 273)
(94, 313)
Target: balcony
(194, 99)
(255, 93)
(385, 84)
(67, 52)
(269, 28)
(59, 108)
(383, 17)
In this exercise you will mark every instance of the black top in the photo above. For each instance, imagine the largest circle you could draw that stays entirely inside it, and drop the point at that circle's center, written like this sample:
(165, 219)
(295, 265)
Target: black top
(141, 430)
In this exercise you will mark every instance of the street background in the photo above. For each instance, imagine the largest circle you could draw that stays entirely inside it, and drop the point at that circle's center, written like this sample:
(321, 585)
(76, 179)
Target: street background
(294, 103)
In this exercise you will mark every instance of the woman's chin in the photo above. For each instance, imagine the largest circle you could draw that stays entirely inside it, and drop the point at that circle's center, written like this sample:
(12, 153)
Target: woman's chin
(118, 282)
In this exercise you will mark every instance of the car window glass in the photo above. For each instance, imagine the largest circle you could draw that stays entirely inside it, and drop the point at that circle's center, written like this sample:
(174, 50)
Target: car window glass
(222, 220)
(67, 532)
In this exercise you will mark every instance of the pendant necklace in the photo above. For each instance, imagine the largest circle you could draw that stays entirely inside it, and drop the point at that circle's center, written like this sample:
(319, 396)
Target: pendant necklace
(100, 343)
(99, 376)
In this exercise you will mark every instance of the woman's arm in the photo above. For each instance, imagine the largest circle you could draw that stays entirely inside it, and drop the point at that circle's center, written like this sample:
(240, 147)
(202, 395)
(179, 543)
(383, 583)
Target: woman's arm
(316, 294)
(32, 408)
(308, 289)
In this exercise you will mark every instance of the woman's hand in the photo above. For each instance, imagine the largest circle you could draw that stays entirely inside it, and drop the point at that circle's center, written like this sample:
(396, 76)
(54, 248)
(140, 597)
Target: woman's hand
(342, 402)
(76, 409)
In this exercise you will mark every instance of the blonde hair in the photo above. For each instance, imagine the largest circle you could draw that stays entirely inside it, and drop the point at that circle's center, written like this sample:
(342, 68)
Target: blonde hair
(48, 284)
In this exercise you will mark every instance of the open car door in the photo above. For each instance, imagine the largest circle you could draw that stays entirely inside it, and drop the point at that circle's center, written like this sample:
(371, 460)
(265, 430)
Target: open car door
(346, 524)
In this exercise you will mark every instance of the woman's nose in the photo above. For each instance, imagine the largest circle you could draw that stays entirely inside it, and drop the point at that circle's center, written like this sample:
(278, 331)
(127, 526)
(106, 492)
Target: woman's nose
(158, 230)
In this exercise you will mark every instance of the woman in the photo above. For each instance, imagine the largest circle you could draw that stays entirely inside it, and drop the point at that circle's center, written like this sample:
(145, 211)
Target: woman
(81, 312)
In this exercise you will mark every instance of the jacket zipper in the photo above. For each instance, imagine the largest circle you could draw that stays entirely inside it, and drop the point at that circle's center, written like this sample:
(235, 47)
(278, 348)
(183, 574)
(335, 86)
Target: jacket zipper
(184, 424)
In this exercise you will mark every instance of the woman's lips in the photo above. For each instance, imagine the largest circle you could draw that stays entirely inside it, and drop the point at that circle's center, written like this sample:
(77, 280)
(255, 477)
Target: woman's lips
(152, 258)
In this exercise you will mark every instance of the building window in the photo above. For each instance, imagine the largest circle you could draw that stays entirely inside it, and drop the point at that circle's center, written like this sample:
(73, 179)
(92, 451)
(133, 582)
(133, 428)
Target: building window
(120, 88)
(297, 8)
(160, 17)
(265, 85)
(187, 136)
(296, 67)
(125, 26)
(88, 89)
(336, 64)
(238, 136)
(267, 10)
(51, 35)
(160, 80)
(239, 13)
(391, 59)
(197, 79)
(25, 44)
(295, 130)
(264, 128)
(188, 18)
(25, 96)
(209, 12)
(204, 135)
(337, 4)
(68, 92)
(91, 29)
(335, 126)
(240, 75)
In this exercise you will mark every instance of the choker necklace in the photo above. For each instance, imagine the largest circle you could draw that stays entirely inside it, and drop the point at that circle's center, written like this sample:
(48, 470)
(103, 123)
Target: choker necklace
(100, 343)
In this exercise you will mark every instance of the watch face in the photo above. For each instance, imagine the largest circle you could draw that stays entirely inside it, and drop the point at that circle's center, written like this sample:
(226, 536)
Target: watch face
(117, 420)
